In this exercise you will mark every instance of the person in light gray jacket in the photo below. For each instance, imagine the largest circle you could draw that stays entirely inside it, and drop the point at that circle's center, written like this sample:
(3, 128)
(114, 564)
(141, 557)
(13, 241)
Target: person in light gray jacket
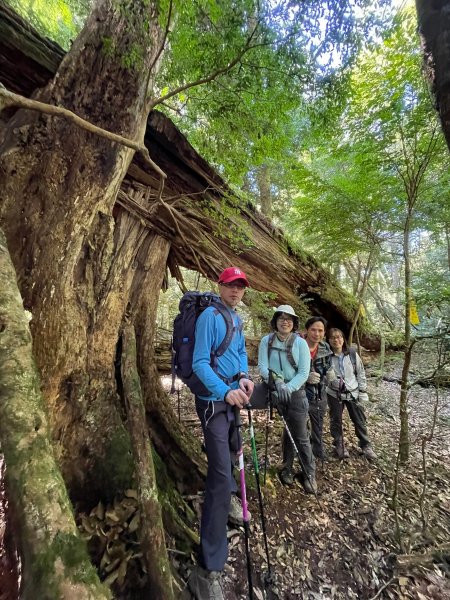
(347, 387)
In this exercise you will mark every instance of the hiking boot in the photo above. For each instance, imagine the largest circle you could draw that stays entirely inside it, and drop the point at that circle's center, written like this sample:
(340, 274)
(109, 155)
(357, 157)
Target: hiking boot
(286, 477)
(369, 453)
(341, 452)
(310, 485)
(206, 585)
(235, 514)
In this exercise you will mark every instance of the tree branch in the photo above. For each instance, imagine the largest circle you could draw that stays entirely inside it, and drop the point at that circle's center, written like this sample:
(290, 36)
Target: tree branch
(209, 77)
(8, 98)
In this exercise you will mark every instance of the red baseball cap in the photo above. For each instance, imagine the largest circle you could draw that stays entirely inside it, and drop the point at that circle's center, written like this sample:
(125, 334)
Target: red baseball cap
(231, 274)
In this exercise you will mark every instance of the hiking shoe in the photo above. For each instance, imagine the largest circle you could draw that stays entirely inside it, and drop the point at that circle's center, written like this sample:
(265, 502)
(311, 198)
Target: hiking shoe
(341, 452)
(286, 477)
(310, 485)
(369, 453)
(235, 516)
(206, 585)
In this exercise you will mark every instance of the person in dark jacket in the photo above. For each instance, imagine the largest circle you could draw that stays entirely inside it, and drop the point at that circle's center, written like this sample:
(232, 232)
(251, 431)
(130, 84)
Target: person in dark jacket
(320, 353)
(347, 387)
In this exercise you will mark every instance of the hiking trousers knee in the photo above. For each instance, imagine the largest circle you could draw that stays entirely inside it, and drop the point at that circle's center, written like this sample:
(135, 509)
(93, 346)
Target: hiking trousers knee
(220, 434)
(297, 420)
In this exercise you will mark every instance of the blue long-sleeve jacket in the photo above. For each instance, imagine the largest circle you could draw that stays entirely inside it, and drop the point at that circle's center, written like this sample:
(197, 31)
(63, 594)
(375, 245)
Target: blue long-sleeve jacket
(279, 362)
(210, 330)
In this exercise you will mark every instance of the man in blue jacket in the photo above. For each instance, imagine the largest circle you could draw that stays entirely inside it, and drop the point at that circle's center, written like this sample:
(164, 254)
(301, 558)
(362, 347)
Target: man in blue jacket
(229, 387)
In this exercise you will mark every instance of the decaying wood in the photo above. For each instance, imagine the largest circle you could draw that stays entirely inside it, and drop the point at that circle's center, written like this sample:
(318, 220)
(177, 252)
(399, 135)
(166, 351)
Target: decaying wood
(437, 554)
(52, 551)
(151, 532)
(214, 228)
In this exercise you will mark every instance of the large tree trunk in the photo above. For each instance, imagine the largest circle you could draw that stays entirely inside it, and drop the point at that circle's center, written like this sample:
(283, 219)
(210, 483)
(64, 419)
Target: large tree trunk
(59, 186)
(265, 194)
(55, 559)
(434, 25)
(151, 532)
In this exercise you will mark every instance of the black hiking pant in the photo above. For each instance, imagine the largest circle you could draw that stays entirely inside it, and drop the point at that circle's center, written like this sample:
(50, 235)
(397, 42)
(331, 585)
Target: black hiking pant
(356, 412)
(219, 430)
(317, 410)
(297, 420)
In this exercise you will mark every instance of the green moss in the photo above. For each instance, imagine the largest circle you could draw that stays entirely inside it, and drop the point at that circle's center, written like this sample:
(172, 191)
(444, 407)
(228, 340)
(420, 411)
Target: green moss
(115, 469)
(71, 551)
(133, 58)
(108, 46)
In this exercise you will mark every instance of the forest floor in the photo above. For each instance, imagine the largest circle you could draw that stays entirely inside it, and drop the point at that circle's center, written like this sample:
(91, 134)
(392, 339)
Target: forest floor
(347, 548)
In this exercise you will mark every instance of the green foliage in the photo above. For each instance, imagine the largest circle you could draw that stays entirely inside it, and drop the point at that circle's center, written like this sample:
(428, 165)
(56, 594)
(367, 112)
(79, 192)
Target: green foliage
(245, 117)
(59, 20)
(382, 153)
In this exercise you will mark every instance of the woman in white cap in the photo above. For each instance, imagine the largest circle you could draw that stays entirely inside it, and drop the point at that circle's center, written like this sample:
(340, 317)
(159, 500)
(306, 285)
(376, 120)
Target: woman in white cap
(284, 362)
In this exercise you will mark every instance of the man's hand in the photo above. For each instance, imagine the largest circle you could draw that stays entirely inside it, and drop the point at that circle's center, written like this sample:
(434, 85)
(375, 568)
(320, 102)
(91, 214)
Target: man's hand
(236, 398)
(314, 378)
(246, 385)
(330, 376)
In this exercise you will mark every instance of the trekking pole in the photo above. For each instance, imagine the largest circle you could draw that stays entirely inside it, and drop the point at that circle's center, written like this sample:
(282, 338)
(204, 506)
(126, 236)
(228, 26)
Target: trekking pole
(294, 445)
(245, 517)
(268, 419)
(299, 456)
(268, 578)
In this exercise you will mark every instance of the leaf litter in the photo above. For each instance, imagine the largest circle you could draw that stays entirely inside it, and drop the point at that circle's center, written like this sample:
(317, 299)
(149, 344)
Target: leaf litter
(348, 549)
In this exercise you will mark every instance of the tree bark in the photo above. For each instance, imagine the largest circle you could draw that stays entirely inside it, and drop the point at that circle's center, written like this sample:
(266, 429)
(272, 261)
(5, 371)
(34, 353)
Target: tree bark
(434, 25)
(151, 532)
(55, 559)
(73, 261)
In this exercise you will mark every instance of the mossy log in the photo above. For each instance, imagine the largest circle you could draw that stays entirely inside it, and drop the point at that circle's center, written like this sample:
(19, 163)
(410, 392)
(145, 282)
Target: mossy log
(438, 554)
(55, 559)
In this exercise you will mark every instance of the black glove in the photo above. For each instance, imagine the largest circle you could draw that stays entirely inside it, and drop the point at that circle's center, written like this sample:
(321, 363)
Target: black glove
(284, 395)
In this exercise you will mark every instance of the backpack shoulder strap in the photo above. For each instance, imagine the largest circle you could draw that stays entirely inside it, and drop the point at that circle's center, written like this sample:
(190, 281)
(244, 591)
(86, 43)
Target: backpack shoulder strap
(230, 328)
(270, 344)
(289, 345)
(352, 354)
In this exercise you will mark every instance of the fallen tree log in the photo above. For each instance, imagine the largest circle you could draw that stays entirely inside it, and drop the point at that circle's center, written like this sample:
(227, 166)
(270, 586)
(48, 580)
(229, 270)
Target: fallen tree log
(207, 225)
(438, 554)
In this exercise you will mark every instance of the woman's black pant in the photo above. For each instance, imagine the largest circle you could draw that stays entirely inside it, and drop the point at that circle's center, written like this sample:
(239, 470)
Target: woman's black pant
(296, 417)
(356, 412)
